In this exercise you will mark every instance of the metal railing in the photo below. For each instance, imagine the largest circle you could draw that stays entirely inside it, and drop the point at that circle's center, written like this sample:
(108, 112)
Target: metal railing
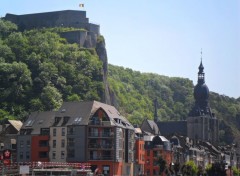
(100, 134)
(100, 146)
(43, 165)
(103, 157)
(100, 123)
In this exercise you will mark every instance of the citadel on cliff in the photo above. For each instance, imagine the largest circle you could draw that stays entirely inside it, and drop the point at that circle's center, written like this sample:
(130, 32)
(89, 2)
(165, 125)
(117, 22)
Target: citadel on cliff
(96, 133)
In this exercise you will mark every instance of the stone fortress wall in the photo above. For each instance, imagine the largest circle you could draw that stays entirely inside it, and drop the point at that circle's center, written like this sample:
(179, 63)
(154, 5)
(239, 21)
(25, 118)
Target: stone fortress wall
(66, 18)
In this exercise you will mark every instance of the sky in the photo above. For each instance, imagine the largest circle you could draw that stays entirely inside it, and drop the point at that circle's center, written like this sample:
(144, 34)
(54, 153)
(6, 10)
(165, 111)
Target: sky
(162, 36)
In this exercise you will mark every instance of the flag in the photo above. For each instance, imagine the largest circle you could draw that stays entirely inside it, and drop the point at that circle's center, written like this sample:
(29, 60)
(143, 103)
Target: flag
(81, 5)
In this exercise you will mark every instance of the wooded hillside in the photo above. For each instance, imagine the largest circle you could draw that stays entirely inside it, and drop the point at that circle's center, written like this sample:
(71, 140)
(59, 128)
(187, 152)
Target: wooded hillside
(39, 70)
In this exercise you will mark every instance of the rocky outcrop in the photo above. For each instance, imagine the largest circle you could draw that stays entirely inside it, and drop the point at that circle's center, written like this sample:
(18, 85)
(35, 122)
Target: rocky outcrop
(108, 96)
(83, 38)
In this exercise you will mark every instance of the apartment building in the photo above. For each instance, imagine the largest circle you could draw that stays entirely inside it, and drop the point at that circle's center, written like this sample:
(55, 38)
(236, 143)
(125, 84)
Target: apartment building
(90, 132)
(33, 140)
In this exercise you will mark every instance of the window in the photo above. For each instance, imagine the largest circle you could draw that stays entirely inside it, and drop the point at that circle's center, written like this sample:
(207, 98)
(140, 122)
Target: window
(21, 144)
(70, 142)
(70, 130)
(62, 154)
(65, 120)
(120, 154)
(77, 121)
(44, 131)
(63, 143)
(57, 120)
(106, 170)
(71, 153)
(43, 143)
(14, 146)
(53, 155)
(93, 155)
(120, 143)
(29, 123)
(1, 146)
(155, 172)
(27, 155)
(28, 131)
(54, 131)
(28, 143)
(54, 143)
(94, 132)
(63, 131)
(43, 154)
(148, 152)
(21, 155)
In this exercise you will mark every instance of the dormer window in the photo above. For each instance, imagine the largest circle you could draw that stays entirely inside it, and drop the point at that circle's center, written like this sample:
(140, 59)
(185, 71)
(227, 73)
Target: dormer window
(77, 120)
(29, 123)
(57, 120)
(65, 120)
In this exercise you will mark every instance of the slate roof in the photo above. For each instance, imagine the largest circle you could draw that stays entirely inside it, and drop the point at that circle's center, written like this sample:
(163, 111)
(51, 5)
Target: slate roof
(149, 126)
(75, 110)
(173, 127)
(38, 120)
(73, 113)
(212, 149)
(85, 110)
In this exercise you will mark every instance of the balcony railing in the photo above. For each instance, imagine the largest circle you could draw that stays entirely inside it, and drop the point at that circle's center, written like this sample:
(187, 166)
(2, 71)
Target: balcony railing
(100, 146)
(104, 134)
(158, 146)
(103, 157)
(100, 123)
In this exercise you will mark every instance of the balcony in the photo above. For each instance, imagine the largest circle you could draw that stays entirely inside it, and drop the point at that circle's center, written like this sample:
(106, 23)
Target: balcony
(102, 135)
(100, 146)
(103, 157)
(158, 147)
(99, 123)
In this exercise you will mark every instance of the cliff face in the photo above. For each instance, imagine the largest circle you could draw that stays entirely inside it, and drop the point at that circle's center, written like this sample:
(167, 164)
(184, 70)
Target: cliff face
(92, 40)
(109, 96)
(83, 38)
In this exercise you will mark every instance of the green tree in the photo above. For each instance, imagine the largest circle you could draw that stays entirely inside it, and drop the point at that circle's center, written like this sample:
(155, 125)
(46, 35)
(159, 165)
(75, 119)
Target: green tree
(51, 98)
(15, 81)
(6, 27)
(190, 168)
(6, 53)
(19, 45)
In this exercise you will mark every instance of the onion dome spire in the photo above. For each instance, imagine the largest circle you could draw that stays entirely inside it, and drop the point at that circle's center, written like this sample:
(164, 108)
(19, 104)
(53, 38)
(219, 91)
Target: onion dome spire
(201, 74)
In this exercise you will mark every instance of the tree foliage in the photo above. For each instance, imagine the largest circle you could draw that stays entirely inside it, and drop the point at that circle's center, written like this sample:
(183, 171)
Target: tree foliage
(39, 70)
(136, 92)
(189, 169)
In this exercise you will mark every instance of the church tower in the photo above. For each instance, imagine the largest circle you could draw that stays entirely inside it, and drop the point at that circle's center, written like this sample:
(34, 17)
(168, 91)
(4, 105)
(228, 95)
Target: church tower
(202, 123)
